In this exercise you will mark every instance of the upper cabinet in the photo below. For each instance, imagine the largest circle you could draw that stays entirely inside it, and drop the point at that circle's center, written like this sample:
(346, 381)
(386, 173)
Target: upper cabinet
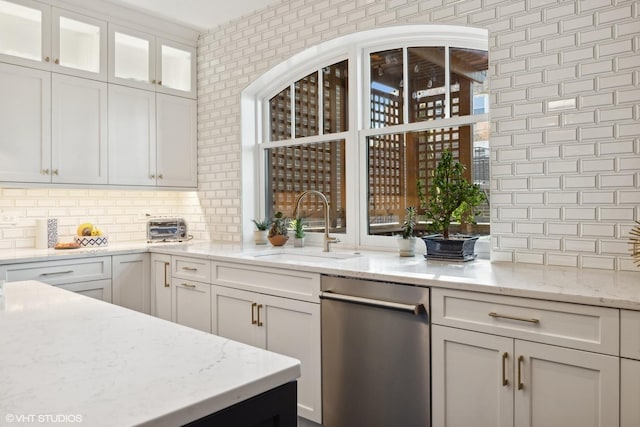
(37, 35)
(143, 61)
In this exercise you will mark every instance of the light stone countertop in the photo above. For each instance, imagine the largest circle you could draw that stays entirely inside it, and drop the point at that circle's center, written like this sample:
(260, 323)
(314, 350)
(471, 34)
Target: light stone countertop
(66, 355)
(585, 286)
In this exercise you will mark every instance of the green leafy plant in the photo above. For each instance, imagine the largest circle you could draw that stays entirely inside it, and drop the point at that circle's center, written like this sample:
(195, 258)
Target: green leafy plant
(279, 225)
(451, 196)
(298, 228)
(410, 221)
(262, 225)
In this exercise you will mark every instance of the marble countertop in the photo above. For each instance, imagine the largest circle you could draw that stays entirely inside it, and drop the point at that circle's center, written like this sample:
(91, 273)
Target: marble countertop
(585, 286)
(72, 357)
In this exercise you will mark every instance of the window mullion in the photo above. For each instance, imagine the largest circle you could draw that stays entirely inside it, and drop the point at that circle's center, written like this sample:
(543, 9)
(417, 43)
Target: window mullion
(405, 85)
(293, 110)
(447, 84)
(320, 104)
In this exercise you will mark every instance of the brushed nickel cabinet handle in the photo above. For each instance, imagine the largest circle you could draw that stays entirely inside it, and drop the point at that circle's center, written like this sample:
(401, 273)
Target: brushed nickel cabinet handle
(253, 318)
(505, 356)
(520, 319)
(153, 81)
(45, 171)
(55, 172)
(57, 61)
(56, 272)
(152, 176)
(160, 82)
(47, 59)
(259, 321)
(166, 284)
(190, 268)
(160, 176)
(189, 285)
(520, 362)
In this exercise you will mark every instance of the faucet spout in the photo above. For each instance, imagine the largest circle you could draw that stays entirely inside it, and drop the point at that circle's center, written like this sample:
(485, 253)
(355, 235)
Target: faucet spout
(325, 206)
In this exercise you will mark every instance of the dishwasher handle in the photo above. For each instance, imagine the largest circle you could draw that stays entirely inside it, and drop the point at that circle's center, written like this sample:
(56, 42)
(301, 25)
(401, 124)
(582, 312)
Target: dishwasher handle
(410, 308)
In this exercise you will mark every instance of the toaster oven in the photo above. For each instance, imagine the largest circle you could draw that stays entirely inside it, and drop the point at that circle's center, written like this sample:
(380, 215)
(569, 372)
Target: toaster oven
(166, 230)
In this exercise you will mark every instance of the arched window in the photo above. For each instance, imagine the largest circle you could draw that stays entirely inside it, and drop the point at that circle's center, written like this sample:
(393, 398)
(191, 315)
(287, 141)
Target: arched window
(363, 119)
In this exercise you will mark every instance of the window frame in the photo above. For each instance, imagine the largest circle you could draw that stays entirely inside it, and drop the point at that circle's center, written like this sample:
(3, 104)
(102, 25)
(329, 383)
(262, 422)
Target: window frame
(354, 48)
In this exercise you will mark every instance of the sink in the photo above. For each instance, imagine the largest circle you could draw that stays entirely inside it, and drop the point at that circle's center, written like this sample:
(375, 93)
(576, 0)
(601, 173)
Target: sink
(296, 256)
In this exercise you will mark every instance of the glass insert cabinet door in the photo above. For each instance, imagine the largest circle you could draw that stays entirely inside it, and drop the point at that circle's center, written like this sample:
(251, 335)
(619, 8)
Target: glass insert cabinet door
(175, 68)
(79, 44)
(25, 35)
(132, 58)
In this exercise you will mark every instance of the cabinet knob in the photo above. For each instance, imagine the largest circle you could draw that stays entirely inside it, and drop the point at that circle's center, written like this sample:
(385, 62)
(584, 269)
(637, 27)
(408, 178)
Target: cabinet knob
(160, 82)
(153, 81)
(57, 61)
(152, 176)
(55, 172)
(47, 59)
(44, 171)
(160, 176)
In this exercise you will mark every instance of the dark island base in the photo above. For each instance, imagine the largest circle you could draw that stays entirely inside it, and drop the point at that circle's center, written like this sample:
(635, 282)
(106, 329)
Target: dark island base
(274, 408)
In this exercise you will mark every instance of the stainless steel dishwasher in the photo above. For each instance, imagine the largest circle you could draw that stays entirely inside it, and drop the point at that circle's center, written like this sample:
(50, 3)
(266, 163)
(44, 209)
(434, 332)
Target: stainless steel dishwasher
(375, 354)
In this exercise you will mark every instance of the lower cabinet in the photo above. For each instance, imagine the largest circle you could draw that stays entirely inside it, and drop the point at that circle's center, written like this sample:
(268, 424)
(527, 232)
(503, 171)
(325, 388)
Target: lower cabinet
(629, 368)
(161, 286)
(488, 369)
(191, 304)
(88, 276)
(488, 380)
(131, 286)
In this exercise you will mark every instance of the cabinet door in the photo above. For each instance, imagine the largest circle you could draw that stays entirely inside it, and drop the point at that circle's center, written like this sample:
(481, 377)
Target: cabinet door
(161, 286)
(132, 58)
(191, 304)
(78, 130)
(629, 392)
(78, 45)
(292, 328)
(26, 32)
(563, 387)
(98, 289)
(177, 143)
(472, 378)
(131, 282)
(234, 315)
(175, 68)
(132, 136)
(25, 120)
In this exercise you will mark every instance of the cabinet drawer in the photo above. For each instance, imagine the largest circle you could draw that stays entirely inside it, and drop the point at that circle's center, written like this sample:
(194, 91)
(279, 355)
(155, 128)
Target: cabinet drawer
(191, 269)
(563, 324)
(630, 334)
(59, 272)
(280, 282)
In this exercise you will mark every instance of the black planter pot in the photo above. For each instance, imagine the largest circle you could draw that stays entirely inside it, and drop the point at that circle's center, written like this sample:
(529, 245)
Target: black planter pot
(456, 248)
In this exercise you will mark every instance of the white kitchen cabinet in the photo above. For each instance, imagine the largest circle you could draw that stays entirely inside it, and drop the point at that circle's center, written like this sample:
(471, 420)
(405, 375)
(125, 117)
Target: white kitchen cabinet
(152, 138)
(488, 369)
(191, 304)
(277, 310)
(629, 368)
(132, 136)
(131, 285)
(25, 120)
(89, 276)
(40, 36)
(26, 28)
(176, 141)
(78, 45)
(78, 131)
(144, 61)
(161, 286)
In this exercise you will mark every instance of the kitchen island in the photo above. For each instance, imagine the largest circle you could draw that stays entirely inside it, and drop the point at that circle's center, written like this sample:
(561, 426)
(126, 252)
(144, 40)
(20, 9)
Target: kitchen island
(69, 359)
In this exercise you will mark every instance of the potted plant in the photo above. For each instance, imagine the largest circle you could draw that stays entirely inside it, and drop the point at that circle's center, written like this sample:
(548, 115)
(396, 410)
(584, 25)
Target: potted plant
(298, 232)
(260, 233)
(278, 231)
(451, 198)
(407, 241)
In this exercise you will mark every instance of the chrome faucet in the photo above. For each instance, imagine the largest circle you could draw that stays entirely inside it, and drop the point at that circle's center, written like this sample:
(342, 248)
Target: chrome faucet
(325, 206)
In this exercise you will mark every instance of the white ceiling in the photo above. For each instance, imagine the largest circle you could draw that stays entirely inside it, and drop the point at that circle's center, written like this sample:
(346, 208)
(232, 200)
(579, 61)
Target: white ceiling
(198, 14)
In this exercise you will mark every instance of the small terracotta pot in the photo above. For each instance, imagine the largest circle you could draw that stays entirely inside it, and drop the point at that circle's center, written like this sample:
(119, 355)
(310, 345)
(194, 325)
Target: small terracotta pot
(278, 240)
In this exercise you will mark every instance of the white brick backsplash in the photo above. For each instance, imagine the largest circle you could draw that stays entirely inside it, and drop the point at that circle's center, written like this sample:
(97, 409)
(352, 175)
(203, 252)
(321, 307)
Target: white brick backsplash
(514, 242)
(580, 245)
(614, 247)
(564, 114)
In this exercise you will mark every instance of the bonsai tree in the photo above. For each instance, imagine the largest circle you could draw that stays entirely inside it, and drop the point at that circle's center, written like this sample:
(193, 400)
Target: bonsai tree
(279, 225)
(451, 196)
(262, 225)
(410, 220)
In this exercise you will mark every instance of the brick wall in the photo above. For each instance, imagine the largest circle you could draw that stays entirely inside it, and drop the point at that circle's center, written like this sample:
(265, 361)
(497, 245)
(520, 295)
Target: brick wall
(565, 105)
(120, 214)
